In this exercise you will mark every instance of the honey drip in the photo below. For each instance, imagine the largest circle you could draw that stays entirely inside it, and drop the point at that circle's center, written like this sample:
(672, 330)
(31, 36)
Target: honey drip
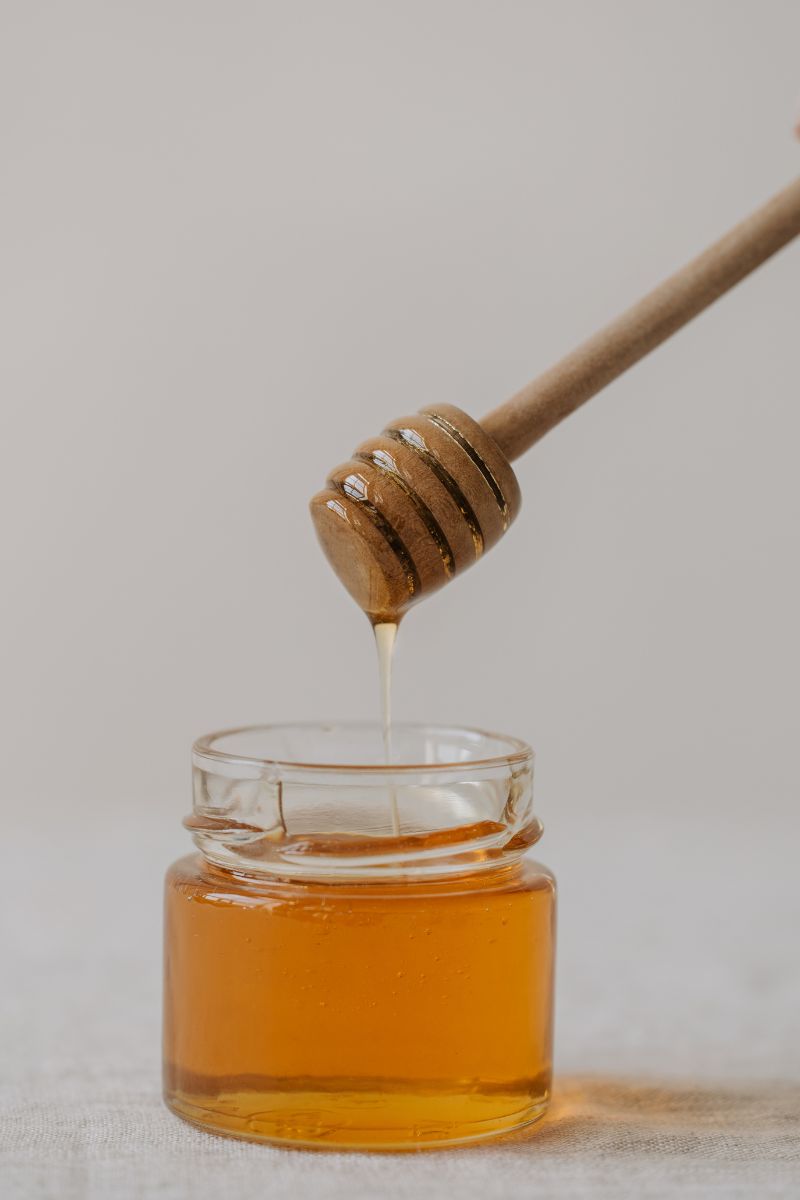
(385, 639)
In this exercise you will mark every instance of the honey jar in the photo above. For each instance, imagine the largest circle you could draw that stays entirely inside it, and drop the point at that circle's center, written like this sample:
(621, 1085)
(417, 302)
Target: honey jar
(360, 956)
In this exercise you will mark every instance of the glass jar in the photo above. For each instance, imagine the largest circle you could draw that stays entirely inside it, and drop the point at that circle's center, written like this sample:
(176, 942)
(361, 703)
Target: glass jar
(332, 982)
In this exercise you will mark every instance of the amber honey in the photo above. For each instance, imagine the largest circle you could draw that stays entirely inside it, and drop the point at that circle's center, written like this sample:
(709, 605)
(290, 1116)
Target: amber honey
(387, 1015)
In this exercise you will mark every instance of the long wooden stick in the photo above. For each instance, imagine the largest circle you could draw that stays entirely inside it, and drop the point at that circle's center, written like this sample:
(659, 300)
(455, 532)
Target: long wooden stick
(534, 410)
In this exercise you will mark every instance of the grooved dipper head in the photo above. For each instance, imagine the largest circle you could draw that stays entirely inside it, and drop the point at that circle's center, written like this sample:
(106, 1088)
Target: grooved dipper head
(414, 507)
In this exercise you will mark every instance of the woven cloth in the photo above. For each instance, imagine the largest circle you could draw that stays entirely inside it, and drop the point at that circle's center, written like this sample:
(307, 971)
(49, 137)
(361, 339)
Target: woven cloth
(677, 1035)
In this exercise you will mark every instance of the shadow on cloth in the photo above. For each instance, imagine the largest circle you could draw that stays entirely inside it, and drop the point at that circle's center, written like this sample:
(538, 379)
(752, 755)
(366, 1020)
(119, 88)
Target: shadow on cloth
(628, 1116)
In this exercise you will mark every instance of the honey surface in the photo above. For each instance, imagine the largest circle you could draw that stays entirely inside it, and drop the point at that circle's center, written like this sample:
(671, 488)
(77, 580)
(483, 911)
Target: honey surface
(388, 1014)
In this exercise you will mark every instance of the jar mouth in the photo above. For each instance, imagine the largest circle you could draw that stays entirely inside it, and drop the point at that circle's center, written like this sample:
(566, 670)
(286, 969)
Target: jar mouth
(320, 800)
(236, 745)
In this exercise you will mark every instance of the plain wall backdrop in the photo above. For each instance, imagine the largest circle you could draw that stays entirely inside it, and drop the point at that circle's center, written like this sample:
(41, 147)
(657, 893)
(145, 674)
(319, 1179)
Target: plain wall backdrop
(240, 237)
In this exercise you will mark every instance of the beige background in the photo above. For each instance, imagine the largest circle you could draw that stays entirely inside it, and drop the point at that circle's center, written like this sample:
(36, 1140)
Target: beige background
(239, 237)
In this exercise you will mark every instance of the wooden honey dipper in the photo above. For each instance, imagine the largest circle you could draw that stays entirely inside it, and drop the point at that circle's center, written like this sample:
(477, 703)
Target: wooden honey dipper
(428, 497)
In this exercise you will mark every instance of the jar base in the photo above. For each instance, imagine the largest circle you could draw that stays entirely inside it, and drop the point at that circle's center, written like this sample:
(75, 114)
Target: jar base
(359, 1120)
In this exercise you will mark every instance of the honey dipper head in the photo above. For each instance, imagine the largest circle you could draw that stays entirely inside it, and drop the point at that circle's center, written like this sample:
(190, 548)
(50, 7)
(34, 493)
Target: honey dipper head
(413, 508)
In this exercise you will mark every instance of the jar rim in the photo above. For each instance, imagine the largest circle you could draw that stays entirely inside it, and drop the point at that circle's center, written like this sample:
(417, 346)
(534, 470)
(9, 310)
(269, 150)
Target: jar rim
(204, 749)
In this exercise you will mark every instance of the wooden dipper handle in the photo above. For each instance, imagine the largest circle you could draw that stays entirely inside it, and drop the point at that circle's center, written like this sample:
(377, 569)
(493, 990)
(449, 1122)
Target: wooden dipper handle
(534, 410)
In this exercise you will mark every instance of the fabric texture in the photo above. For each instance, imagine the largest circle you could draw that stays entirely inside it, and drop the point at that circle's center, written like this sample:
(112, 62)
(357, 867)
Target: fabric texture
(677, 1063)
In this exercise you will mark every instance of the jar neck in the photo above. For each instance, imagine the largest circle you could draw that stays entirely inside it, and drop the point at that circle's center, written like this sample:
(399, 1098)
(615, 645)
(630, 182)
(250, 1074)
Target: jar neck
(320, 801)
(471, 850)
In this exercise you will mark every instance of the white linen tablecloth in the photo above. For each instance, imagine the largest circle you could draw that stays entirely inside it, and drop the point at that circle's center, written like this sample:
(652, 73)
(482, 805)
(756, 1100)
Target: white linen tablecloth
(677, 1051)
